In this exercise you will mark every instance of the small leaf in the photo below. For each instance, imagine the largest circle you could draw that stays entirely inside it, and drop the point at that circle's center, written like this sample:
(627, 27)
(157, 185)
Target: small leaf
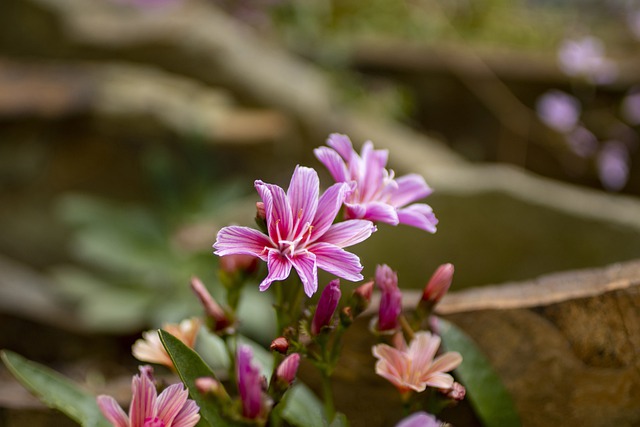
(340, 420)
(55, 390)
(302, 408)
(190, 366)
(492, 402)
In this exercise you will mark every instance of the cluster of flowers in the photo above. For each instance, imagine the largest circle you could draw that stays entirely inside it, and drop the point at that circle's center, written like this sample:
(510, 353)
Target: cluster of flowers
(299, 231)
(584, 59)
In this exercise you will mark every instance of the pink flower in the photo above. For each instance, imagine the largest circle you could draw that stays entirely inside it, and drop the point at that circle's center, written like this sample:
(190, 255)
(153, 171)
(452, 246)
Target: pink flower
(250, 383)
(414, 368)
(171, 408)
(377, 196)
(585, 58)
(150, 349)
(419, 419)
(390, 300)
(327, 305)
(613, 165)
(300, 232)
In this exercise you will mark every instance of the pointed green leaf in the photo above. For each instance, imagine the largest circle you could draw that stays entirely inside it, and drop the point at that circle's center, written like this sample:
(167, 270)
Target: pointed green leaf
(55, 390)
(302, 408)
(190, 366)
(491, 401)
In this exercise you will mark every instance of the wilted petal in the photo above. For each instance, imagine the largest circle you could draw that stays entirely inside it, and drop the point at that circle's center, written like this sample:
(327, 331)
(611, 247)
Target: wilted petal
(170, 402)
(188, 415)
(328, 207)
(409, 188)
(333, 162)
(112, 411)
(418, 215)
(303, 196)
(305, 265)
(347, 233)
(337, 261)
(241, 240)
(279, 269)
(342, 144)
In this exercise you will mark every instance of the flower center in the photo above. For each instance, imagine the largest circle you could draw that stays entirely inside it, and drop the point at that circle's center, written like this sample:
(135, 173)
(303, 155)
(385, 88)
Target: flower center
(153, 422)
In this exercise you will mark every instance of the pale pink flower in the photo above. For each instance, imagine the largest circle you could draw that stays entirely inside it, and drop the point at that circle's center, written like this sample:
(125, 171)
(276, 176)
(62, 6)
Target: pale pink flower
(414, 368)
(171, 408)
(378, 196)
(419, 419)
(300, 232)
(150, 349)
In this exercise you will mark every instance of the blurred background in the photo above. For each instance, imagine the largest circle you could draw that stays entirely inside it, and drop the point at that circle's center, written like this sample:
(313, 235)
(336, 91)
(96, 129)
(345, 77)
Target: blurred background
(132, 130)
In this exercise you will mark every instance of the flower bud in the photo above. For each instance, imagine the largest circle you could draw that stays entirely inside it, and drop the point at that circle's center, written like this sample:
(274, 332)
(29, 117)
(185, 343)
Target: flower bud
(457, 392)
(390, 300)
(280, 344)
(346, 317)
(327, 305)
(361, 298)
(261, 216)
(287, 370)
(438, 284)
(390, 309)
(235, 264)
(214, 312)
(250, 383)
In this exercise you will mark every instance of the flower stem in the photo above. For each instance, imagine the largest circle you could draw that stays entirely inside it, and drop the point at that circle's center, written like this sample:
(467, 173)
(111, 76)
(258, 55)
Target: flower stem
(328, 396)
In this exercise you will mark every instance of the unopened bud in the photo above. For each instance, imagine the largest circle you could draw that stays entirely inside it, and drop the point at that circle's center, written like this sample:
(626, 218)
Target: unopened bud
(260, 211)
(280, 344)
(209, 385)
(386, 278)
(438, 284)
(390, 299)
(457, 392)
(327, 305)
(287, 370)
(346, 317)
(241, 263)
(361, 298)
(214, 312)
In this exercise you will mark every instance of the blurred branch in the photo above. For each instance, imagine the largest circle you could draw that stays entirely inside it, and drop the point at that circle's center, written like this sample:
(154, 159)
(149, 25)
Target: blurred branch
(197, 41)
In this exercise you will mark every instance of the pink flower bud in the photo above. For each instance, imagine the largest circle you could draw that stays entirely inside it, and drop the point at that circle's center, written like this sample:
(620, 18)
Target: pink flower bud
(361, 298)
(207, 385)
(250, 383)
(326, 306)
(280, 344)
(390, 300)
(364, 291)
(438, 284)
(232, 264)
(287, 370)
(211, 307)
(260, 211)
(457, 392)
(386, 278)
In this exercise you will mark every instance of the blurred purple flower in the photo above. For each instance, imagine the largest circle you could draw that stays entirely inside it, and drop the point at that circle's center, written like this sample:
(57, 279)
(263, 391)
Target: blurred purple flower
(419, 419)
(582, 142)
(249, 383)
(613, 165)
(300, 232)
(585, 58)
(558, 110)
(377, 196)
(631, 107)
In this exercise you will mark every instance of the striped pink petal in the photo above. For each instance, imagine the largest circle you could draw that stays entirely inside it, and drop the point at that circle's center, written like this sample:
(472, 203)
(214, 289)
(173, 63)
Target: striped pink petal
(241, 240)
(305, 265)
(143, 402)
(337, 261)
(188, 415)
(348, 233)
(112, 411)
(170, 402)
(409, 188)
(303, 197)
(418, 215)
(333, 162)
(279, 268)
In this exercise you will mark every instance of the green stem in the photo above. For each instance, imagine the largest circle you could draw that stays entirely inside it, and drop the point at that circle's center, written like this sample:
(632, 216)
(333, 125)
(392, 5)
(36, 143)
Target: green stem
(328, 396)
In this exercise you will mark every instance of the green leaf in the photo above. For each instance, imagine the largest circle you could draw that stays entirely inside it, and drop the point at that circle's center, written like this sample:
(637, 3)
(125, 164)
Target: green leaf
(190, 366)
(492, 402)
(55, 390)
(340, 420)
(302, 408)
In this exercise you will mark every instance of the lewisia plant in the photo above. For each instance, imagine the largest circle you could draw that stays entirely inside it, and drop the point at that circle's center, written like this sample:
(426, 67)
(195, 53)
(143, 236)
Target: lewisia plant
(300, 232)
(377, 196)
